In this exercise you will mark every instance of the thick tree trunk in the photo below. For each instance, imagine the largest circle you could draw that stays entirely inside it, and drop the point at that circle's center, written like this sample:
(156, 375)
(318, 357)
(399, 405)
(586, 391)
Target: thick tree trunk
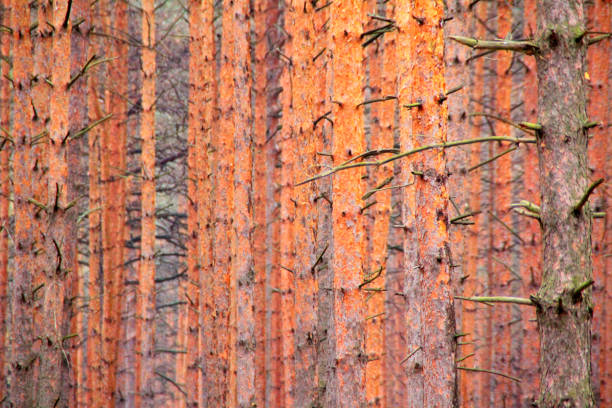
(563, 310)
(347, 189)
(426, 250)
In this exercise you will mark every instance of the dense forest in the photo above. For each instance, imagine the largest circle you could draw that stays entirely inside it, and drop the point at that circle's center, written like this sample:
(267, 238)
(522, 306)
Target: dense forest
(305, 203)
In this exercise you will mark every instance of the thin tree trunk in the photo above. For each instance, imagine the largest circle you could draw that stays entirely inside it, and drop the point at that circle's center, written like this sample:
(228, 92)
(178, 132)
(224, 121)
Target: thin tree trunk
(471, 383)
(75, 310)
(221, 379)
(95, 374)
(305, 215)
(22, 360)
(348, 188)
(531, 263)
(146, 276)
(113, 155)
(564, 313)
(288, 158)
(500, 207)
(242, 282)
(259, 197)
(324, 340)
(5, 190)
(378, 214)
(395, 341)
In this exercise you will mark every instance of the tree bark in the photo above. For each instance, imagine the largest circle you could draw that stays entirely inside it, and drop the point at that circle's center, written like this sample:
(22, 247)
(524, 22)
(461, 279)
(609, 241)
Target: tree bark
(348, 79)
(564, 315)
(22, 358)
(145, 392)
(6, 146)
(421, 41)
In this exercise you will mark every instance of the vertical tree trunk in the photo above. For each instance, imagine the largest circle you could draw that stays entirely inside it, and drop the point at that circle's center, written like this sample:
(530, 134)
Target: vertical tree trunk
(53, 365)
(563, 311)
(146, 275)
(259, 197)
(5, 188)
(436, 331)
(348, 234)
(531, 270)
(95, 376)
(305, 215)
(288, 158)
(202, 95)
(500, 207)
(22, 360)
(77, 169)
(599, 155)
(458, 74)
(395, 341)
(378, 214)
(471, 383)
(220, 377)
(113, 194)
(242, 282)
(324, 340)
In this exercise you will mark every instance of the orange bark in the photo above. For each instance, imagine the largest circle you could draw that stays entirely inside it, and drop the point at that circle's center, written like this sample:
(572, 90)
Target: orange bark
(202, 95)
(323, 272)
(286, 267)
(395, 347)
(57, 271)
(599, 156)
(274, 106)
(469, 383)
(242, 283)
(21, 369)
(502, 242)
(259, 199)
(5, 189)
(146, 277)
(221, 376)
(457, 74)
(531, 262)
(113, 150)
(303, 94)
(95, 376)
(376, 223)
(77, 167)
(421, 39)
(348, 188)
(378, 216)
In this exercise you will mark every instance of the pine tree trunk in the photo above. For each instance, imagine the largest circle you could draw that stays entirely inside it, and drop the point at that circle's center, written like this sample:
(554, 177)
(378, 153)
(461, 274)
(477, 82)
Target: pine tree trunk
(427, 251)
(564, 312)
(5, 189)
(348, 79)
(146, 276)
(22, 360)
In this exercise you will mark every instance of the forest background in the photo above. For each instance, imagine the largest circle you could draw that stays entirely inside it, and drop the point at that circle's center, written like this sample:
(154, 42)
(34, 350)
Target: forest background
(304, 203)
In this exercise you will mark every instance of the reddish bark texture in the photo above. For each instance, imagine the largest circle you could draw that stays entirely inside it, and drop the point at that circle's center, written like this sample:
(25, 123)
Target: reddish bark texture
(429, 270)
(564, 315)
(600, 15)
(21, 364)
(347, 190)
(146, 276)
(5, 189)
